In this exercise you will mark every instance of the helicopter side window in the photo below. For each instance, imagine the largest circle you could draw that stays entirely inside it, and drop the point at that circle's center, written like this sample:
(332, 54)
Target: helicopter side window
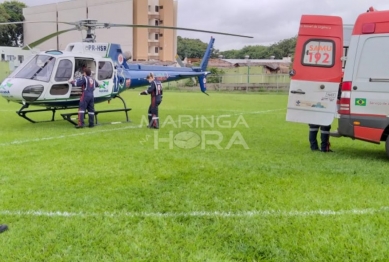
(64, 71)
(105, 70)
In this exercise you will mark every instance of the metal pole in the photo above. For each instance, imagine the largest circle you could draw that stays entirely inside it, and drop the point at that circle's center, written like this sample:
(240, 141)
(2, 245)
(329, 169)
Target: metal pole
(248, 72)
(248, 75)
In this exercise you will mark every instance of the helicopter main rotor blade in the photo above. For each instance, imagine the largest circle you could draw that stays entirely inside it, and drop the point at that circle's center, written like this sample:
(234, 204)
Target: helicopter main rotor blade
(32, 22)
(173, 28)
(43, 39)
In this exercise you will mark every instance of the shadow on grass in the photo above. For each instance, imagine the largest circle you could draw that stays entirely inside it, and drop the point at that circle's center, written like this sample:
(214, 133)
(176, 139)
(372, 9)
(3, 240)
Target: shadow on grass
(362, 153)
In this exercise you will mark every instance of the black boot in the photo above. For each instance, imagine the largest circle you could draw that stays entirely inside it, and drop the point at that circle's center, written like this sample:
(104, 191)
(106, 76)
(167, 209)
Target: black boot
(154, 123)
(325, 139)
(149, 117)
(313, 130)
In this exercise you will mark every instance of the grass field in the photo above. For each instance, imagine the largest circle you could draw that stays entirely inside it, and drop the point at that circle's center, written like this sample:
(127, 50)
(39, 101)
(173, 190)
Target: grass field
(122, 193)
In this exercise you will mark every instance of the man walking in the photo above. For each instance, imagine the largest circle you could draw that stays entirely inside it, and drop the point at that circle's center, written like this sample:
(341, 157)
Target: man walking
(156, 92)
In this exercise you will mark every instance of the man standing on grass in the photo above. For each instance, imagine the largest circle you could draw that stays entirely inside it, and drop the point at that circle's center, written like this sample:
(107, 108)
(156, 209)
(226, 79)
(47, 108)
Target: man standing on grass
(88, 85)
(325, 138)
(3, 228)
(156, 92)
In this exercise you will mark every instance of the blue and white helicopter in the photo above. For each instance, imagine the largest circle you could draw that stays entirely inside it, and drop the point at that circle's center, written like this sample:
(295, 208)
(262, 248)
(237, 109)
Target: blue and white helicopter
(42, 80)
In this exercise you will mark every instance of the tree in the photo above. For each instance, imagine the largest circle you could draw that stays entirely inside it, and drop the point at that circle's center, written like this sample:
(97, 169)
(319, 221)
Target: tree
(11, 11)
(283, 48)
(255, 52)
(280, 49)
(193, 48)
(3, 17)
(230, 54)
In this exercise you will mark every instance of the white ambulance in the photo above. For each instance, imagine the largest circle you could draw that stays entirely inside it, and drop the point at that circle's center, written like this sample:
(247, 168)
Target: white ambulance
(317, 72)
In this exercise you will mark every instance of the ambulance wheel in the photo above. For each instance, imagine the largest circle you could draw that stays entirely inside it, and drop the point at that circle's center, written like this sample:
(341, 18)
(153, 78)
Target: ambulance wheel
(387, 146)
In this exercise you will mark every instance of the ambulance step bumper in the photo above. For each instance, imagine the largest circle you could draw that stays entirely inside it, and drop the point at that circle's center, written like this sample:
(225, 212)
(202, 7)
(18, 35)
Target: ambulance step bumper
(335, 134)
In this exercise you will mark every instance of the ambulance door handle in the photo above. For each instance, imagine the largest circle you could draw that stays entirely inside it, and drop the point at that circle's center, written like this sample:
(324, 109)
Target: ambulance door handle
(322, 86)
(355, 87)
(297, 92)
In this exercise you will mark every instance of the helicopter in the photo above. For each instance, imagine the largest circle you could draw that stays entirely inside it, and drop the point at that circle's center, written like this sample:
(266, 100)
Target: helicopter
(42, 79)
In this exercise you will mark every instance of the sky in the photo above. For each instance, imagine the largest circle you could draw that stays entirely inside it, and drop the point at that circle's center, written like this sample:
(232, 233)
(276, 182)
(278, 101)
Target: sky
(267, 21)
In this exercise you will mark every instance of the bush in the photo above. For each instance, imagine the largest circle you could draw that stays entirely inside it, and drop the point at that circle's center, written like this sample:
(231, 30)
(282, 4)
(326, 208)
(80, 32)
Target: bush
(216, 75)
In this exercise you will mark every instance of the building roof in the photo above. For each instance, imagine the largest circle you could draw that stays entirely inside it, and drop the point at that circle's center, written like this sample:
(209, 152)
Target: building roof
(257, 61)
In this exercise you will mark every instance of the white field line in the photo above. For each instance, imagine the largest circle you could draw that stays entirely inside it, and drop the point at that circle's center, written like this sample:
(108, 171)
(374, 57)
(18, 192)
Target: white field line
(18, 142)
(197, 214)
(231, 111)
(197, 117)
(260, 112)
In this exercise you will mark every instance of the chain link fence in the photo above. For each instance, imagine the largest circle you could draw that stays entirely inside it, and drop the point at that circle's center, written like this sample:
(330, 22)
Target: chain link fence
(234, 82)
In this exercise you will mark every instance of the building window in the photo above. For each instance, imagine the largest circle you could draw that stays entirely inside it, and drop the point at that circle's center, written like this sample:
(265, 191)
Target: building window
(160, 7)
(160, 22)
(10, 58)
(160, 35)
(156, 36)
(156, 22)
(160, 48)
(156, 8)
(156, 49)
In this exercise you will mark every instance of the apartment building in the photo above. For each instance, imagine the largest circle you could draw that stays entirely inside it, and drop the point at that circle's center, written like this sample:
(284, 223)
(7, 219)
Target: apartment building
(145, 44)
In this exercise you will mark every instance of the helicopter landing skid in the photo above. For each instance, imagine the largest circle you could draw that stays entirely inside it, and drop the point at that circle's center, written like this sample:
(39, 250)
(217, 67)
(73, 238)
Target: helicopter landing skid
(23, 113)
(68, 116)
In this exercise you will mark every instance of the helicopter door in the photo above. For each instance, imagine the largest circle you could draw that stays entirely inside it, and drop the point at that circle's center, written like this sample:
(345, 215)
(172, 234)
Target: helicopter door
(105, 77)
(61, 88)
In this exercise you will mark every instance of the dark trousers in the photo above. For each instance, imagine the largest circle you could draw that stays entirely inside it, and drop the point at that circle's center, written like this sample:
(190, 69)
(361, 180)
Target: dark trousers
(153, 115)
(86, 103)
(324, 135)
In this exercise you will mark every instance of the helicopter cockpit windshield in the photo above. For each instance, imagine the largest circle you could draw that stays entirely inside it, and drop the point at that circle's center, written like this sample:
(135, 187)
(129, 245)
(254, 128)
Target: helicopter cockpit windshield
(39, 68)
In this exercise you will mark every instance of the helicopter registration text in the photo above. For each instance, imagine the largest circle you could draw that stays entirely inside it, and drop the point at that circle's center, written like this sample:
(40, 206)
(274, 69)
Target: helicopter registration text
(99, 47)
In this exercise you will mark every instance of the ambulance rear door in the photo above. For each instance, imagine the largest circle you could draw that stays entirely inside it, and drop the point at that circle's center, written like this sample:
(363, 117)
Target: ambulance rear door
(317, 70)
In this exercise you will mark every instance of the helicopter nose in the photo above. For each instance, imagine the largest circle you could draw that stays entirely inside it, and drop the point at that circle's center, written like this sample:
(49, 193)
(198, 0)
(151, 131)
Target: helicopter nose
(32, 93)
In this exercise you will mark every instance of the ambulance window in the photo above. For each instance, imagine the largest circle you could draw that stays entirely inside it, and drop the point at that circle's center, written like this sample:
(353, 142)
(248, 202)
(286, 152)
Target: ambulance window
(374, 59)
(105, 70)
(318, 52)
(64, 71)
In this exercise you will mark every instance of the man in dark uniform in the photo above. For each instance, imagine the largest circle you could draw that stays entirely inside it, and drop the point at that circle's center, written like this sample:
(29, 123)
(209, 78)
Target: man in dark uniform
(88, 85)
(155, 90)
(324, 135)
(3, 228)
